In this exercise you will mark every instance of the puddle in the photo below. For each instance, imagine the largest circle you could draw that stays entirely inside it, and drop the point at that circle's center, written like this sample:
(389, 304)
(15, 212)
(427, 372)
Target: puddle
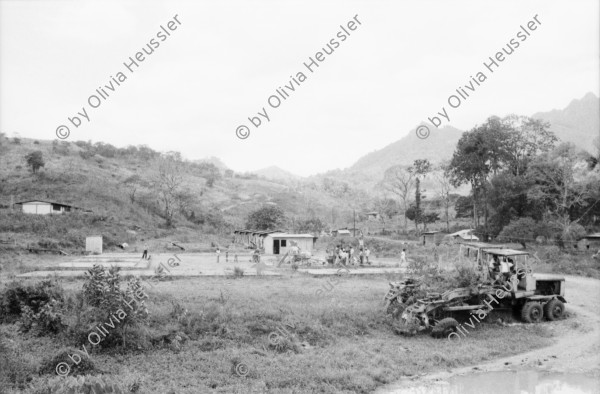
(522, 382)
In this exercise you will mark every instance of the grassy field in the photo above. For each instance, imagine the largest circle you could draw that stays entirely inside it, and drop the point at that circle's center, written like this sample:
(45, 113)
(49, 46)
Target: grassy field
(333, 337)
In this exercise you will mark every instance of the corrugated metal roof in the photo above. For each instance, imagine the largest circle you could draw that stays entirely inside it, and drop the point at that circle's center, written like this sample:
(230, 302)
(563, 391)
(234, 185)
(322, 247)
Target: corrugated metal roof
(286, 235)
(506, 252)
(48, 202)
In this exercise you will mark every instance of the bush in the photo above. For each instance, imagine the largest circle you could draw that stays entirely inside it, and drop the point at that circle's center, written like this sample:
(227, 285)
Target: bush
(49, 364)
(104, 301)
(87, 154)
(466, 276)
(60, 147)
(238, 272)
(38, 307)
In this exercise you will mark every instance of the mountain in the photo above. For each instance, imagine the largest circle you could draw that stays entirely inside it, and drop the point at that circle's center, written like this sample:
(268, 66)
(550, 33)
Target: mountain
(578, 123)
(276, 173)
(439, 145)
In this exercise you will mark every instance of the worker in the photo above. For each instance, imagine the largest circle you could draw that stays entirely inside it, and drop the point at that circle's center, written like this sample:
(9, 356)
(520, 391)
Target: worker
(218, 252)
(367, 254)
(403, 256)
(361, 256)
(343, 257)
(227, 255)
(351, 255)
(145, 254)
(505, 266)
(256, 256)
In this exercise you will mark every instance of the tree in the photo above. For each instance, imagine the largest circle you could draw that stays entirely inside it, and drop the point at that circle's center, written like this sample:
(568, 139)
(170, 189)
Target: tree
(133, 183)
(267, 217)
(420, 169)
(35, 160)
(311, 225)
(556, 176)
(520, 230)
(400, 182)
(480, 152)
(508, 200)
(527, 138)
(386, 209)
(463, 207)
(168, 182)
(444, 187)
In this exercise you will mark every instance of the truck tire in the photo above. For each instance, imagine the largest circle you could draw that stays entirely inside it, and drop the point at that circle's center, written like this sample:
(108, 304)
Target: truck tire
(532, 312)
(444, 328)
(554, 309)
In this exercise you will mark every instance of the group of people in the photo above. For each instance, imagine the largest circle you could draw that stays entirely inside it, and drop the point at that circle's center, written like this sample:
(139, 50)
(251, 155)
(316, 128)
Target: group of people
(346, 255)
(501, 269)
(218, 253)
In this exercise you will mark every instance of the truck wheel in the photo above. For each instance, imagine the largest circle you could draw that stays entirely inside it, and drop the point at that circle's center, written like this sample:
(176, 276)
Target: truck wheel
(554, 309)
(532, 312)
(444, 328)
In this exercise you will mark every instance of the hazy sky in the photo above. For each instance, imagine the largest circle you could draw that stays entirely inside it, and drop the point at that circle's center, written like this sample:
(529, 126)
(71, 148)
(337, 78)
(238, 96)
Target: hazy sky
(225, 59)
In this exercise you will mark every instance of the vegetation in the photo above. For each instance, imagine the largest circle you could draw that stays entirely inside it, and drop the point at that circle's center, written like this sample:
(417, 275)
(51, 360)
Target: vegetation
(35, 161)
(267, 217)
(195, 342)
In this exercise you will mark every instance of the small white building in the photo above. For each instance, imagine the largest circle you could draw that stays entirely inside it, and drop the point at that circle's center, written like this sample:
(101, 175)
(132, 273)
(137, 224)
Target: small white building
(343, 232)
(372, 215)
(462, 235)
(279, 243)
(93, 244)
(39, 207)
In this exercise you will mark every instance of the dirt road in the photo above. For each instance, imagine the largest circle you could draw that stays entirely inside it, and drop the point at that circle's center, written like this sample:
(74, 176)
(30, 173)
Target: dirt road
(576, 350)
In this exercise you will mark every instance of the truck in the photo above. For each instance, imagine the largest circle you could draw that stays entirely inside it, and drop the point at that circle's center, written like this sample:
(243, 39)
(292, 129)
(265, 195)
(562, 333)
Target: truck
(507, 282)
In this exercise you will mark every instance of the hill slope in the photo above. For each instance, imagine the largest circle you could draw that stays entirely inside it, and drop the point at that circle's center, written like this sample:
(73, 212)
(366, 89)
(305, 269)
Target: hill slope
(116, 185)
(578, 123)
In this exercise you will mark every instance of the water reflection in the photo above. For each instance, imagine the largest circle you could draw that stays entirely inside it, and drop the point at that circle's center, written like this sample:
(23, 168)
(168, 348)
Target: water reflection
(521, 382)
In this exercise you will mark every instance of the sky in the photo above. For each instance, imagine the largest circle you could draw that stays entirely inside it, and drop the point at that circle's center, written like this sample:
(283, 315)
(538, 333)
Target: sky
(224, 60)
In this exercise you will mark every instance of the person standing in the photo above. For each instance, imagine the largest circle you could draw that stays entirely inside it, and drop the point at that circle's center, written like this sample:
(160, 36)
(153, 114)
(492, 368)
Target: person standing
(361, 256)
(227, 255)
(218, 254)
(145, 254)
(367, 254)
(351, 255)
(403, 256)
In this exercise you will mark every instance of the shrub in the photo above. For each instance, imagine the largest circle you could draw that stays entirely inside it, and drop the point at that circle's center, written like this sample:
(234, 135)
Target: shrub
(238, 272)
(466, 276)
(86, 154)
(60, 147)
(49, 364)
(35, 160)
(105, 301)
(38, 307)
(49, 318)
